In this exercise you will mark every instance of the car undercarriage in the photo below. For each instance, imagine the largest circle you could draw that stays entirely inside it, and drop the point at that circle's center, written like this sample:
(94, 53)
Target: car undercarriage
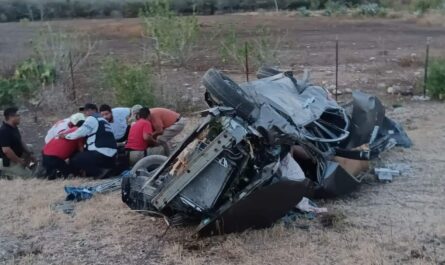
(260, 148)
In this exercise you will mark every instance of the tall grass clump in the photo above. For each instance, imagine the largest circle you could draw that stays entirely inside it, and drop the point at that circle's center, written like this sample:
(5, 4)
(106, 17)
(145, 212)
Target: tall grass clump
(424, 5)
(131, 83)
(436, 79)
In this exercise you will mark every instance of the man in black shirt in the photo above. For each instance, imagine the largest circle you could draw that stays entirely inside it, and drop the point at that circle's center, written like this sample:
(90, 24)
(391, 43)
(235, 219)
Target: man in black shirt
(14, 155)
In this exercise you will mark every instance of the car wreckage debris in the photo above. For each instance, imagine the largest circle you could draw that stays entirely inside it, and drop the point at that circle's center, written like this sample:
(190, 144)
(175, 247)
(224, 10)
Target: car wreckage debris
(262, 147)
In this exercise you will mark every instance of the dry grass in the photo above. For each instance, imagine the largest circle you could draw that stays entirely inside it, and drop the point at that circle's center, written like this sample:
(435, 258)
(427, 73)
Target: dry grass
(397, 223)
(411, 60)
(432, 18)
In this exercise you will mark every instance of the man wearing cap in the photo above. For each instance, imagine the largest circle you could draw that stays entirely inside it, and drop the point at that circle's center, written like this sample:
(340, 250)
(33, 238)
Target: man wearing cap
(101, 146)
(63, 125)
(117, 117)
(58, 150)
(134, 114)
(15, 157)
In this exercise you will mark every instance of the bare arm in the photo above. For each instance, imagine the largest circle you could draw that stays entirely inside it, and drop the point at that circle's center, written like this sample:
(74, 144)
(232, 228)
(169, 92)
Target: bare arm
(158, 127)
(148, 137)
(11, 155)
(87, 128)
(28, 152)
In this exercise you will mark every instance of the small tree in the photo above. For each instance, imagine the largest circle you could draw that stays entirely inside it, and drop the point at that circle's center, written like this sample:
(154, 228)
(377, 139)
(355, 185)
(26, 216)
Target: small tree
(174, 36)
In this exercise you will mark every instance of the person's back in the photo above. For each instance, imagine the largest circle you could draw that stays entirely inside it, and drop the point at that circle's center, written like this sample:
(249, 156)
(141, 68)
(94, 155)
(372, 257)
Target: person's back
(136, 140)
(57, 151)
(57, 128)
(119, 124)
(63, 148)
(139, 137)
(166, 124)
(164, 117)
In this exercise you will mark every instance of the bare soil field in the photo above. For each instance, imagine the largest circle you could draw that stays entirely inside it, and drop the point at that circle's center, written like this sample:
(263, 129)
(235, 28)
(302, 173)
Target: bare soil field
(402, 222)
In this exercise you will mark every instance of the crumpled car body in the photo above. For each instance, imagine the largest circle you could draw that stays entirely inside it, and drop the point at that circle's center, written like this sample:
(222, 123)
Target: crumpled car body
(260, 148)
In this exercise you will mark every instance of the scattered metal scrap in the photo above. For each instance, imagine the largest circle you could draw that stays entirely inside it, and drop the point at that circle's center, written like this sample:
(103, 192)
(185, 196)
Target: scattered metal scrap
(386, 174)
(86, 192)
(233, 171)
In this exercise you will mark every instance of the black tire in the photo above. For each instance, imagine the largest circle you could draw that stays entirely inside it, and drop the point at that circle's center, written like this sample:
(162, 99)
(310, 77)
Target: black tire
(132, 184)
(149, 163)
(225, 92)
(266, 71)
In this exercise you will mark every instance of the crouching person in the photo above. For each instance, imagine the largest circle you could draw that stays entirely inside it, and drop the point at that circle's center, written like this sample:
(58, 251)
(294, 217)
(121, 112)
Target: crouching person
(139, 137)
(166, 124)
(15, 157)
(58, 150)
(101, 146)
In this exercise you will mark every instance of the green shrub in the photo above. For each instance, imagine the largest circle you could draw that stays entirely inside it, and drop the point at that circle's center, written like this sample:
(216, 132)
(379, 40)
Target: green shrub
(175, 36)
(423, 5)
(12, 91)
(304, 12)
(371, 10)
(131, 83)
(29, 76)
(436, 79)
(335, 8)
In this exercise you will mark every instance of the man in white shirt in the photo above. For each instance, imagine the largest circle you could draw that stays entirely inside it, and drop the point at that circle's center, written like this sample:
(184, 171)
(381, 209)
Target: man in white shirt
(101, 146)
(117, 117)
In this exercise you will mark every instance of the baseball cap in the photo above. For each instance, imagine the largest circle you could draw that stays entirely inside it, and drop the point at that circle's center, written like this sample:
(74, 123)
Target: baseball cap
(75, 118)
(134, 111)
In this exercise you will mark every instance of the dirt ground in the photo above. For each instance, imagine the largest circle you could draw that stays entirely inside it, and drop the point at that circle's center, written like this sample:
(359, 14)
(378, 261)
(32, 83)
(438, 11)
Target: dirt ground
(402, 222)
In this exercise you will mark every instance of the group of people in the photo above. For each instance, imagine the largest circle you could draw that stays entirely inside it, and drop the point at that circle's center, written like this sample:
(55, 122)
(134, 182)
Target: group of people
(87, 142)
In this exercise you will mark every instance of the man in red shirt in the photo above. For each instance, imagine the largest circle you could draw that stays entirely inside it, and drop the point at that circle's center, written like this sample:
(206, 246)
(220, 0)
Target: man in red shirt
(140, 137)
(58, 150)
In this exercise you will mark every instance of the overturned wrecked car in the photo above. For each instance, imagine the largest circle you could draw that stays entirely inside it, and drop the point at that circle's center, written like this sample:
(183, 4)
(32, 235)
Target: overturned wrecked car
(261, 147)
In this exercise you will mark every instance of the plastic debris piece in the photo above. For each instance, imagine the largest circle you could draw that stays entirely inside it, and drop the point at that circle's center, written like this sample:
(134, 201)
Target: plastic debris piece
(386, 174)
(308, 206)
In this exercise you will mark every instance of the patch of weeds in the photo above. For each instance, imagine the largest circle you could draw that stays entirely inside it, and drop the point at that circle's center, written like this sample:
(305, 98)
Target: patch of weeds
(410, 60)
(175, 36)
(436, 79)
(131, 83)
(335, 8)
(421, 6)
(371, 10)
(304, 11)
(28, 77)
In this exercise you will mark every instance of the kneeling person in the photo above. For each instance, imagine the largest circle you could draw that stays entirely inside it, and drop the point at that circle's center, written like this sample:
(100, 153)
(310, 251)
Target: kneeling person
(117, 118)
(140, 137)
(101, 146)
(58, 150)
(14, 154)
(166, 124)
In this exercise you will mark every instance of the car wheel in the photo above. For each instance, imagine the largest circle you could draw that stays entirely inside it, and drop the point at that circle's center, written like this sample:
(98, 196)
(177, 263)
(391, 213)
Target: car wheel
(149, 163)
(224, 91)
